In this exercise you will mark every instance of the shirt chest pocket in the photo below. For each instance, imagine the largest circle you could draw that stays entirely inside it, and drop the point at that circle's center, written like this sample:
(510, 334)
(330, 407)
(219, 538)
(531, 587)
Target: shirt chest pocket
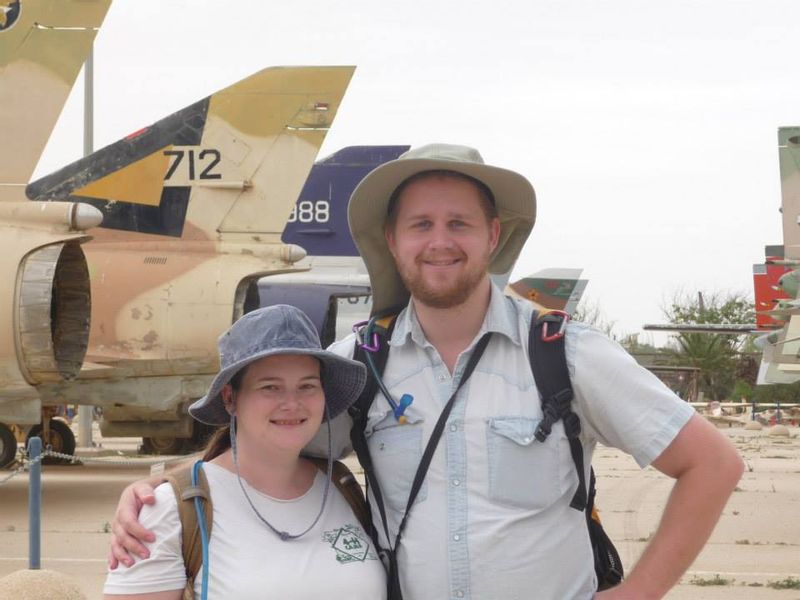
(523, 472)
(396, 451)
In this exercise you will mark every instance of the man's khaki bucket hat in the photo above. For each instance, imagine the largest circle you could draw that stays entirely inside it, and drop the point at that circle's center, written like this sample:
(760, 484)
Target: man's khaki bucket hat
(514, 198)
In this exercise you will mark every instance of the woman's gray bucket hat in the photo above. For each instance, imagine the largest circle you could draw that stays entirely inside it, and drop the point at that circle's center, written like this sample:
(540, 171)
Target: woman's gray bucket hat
(279, 329)
(514, 197)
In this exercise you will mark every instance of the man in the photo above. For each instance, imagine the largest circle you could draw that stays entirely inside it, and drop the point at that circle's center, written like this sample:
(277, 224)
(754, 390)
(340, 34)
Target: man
(492, 519)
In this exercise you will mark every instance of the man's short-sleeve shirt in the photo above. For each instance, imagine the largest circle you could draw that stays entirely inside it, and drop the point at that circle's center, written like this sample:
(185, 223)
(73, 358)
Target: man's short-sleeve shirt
(492, 519)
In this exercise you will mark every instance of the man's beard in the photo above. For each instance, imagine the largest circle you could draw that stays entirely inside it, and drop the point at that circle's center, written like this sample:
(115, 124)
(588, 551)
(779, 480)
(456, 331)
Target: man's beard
(439, 296)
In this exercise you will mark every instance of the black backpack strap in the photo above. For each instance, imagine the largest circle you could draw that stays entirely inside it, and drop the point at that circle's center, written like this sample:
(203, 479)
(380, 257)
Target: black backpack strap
(547, 355)
(607, 563)
(359, 412)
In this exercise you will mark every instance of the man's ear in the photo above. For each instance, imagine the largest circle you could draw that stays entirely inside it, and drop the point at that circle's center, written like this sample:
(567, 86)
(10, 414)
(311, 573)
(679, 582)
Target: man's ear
(388, 233)
(494, 233)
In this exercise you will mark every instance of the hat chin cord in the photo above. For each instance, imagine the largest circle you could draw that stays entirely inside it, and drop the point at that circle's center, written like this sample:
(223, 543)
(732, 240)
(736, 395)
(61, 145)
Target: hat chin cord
(285, 535)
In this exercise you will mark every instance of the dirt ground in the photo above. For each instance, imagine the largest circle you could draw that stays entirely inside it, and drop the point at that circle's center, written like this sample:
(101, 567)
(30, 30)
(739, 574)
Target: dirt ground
(755, 545)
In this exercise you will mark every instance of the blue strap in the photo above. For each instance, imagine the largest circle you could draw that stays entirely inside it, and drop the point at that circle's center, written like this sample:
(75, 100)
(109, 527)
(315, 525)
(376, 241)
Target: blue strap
(201, 521)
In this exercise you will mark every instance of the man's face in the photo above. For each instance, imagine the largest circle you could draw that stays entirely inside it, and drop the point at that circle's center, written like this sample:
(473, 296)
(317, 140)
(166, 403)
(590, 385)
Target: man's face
(441, 240)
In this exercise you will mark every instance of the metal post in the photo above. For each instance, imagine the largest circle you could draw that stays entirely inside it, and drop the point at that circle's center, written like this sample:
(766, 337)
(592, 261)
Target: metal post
(35, 504)
(88, 104)
(778, 412)
(85, 412)
(753, 415)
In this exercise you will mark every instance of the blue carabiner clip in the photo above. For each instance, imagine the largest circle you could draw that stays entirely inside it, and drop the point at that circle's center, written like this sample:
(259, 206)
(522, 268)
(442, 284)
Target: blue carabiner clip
(363, 331)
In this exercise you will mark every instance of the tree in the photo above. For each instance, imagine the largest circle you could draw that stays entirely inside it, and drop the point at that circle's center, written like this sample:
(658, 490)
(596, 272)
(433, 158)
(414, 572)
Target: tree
(589, 312)
(716, 355)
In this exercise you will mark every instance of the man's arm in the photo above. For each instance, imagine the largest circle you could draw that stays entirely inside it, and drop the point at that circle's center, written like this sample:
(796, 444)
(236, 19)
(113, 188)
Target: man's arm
(706, 468)
(168, 595)
(125, 527)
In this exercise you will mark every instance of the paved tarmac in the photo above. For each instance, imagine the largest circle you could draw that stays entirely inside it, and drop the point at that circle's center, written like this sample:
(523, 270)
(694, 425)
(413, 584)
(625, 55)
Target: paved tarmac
(756, 543)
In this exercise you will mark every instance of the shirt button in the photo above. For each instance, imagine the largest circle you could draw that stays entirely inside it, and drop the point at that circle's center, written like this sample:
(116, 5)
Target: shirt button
(456, 482)
(456, 537)
(453, 427)
(442, 377)
(459, 594)
(527, 440)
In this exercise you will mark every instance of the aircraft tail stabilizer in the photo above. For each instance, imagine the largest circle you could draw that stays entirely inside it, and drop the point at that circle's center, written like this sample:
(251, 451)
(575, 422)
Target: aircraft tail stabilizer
(43, 45)
(554, 289)
(227, 168)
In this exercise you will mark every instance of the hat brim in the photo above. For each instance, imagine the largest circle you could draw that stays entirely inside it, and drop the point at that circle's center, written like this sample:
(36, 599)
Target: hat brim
(515, 200)
(342, 382)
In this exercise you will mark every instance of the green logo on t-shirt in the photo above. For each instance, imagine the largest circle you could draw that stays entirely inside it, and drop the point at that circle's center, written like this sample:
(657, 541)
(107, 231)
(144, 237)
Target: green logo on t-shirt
(350, 543)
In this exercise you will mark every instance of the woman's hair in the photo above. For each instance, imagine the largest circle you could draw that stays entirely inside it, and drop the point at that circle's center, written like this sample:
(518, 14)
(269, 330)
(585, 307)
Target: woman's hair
(220, 441)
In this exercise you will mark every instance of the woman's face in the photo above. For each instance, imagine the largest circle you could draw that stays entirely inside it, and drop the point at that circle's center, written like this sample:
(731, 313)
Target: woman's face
(280, 402)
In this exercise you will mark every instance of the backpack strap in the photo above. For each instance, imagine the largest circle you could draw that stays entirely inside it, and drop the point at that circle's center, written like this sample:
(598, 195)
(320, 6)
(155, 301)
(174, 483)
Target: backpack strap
(348, 486)
(546, 351)
(548, 360)
(185, 493)
(359, 412)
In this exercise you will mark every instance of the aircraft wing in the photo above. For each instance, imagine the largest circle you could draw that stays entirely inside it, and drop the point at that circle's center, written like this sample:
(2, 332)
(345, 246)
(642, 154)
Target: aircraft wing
(732, 328)
(43, 45)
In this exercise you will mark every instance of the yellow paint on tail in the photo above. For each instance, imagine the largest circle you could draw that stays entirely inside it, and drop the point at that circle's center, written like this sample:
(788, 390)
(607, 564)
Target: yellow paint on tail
(139, 183)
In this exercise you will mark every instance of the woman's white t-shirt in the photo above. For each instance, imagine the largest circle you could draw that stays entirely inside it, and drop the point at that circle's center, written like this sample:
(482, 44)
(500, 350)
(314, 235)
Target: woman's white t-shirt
(247, 560)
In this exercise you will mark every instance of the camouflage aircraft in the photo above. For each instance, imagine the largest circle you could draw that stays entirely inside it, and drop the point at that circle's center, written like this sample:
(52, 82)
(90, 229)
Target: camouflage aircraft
(551, 289)
(43, 45)
(781, 360)
(192, 211)
(776, 282)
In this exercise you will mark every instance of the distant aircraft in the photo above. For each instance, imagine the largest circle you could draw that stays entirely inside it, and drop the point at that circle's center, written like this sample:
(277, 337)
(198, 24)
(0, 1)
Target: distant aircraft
(781, 359)
(192, 212)
(553, 289)
(776, 282)
(335, 291)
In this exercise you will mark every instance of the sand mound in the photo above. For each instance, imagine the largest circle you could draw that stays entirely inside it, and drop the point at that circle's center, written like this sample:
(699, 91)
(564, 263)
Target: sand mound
(40, 585)
(779, 431)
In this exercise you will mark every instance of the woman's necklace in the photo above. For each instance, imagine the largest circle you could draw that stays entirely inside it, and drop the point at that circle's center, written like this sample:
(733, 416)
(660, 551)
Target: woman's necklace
(284, 535)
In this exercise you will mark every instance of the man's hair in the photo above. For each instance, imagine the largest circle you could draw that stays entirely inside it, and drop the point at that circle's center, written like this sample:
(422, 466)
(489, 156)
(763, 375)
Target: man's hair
(485, 194)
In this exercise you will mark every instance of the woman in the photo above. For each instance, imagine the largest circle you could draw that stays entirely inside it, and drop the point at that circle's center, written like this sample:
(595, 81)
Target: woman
(279, 530)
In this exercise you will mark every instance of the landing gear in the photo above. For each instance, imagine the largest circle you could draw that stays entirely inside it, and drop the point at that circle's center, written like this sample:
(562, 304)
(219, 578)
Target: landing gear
(175, 445)
(163, 445)
(59, 438)
(8, 446)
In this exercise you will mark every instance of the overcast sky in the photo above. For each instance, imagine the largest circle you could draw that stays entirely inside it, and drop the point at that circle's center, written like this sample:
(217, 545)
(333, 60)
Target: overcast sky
(649, 130)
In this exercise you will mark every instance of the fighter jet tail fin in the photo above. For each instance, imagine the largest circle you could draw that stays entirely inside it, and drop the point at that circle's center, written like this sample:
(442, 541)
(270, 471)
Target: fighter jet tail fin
(318, 222)
(43, 45)
(229, 167)
(554, 289)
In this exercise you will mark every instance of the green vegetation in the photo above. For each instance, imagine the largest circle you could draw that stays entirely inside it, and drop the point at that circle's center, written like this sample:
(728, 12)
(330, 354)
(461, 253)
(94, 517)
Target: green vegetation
(790, 583)
(717, 356)
(716, 580)
(781, 392)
